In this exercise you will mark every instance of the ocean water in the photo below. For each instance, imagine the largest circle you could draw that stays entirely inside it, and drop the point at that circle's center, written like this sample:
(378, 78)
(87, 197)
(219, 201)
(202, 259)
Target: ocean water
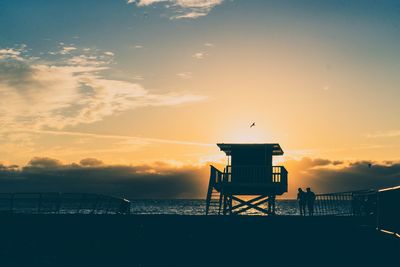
(169, 207)
(197, 207)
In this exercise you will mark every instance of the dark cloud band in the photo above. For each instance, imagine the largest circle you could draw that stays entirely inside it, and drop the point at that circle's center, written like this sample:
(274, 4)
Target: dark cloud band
(161, 180)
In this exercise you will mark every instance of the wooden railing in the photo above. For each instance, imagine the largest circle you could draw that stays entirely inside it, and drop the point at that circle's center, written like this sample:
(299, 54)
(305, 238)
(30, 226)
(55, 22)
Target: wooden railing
(216, 176)
(256, 174)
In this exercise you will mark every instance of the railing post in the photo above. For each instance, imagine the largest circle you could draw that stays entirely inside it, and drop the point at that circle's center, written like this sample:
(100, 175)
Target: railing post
(95, 205)
(108, 205)
(12, 203)
(59, 200)
(40, 203)
(80, 203)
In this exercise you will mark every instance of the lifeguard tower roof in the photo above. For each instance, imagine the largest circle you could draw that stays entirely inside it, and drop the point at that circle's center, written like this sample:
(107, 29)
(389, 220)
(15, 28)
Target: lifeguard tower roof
(227, 148)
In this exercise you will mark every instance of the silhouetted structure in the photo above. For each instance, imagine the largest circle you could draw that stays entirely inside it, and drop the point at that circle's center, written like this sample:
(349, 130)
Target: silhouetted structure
(249, 172)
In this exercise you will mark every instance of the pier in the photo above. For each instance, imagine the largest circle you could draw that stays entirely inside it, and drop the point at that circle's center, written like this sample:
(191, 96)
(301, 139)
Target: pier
(122, 239)
(162, 240)
(356, 228)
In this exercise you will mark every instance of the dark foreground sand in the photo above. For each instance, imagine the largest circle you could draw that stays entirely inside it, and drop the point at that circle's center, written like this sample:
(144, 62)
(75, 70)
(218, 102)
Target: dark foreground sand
(100, 240)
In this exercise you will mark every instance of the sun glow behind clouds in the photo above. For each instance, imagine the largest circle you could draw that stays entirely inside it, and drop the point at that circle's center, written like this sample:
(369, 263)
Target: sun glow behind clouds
(245, 134)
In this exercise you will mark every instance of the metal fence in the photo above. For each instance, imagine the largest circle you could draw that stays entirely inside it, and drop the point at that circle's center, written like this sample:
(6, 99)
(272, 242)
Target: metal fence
(62, 203)
(354, 203)
(388, 215)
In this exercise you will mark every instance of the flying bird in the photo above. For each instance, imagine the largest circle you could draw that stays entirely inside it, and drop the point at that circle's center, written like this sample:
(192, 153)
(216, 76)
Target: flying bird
(253, 125)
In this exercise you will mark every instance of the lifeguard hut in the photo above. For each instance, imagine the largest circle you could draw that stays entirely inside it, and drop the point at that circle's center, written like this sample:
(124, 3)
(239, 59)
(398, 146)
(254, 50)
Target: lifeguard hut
(249, 180)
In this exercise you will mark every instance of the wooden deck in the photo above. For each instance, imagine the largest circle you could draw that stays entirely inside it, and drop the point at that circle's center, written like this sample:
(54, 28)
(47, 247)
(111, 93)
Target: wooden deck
(131, 240)
(250, 188)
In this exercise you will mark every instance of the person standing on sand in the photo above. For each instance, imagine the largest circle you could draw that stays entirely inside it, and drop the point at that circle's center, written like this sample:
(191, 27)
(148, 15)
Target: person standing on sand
(301, 197)
(310, 196)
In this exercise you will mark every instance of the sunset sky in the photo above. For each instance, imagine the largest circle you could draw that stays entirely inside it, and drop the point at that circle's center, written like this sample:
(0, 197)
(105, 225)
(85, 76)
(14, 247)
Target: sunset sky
(150, 86)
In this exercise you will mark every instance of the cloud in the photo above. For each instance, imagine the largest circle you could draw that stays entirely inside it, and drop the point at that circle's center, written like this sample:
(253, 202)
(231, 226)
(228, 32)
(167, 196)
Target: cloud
(7, 168)
(11, 53)
(198, 55)
(108, 53)
(38, 93)
(42, 163)
(170, 180)
(157, 180)
(326, 176)
(130, 139)
(307, 163)
(182, 8)
(384, 134)
(191, 15)
(91, 162)
(185, 75)
(67, 49)
(88, 61)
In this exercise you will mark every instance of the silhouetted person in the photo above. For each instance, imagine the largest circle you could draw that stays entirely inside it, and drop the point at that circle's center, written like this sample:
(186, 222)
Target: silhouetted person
(301, 197)
(310, 196)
